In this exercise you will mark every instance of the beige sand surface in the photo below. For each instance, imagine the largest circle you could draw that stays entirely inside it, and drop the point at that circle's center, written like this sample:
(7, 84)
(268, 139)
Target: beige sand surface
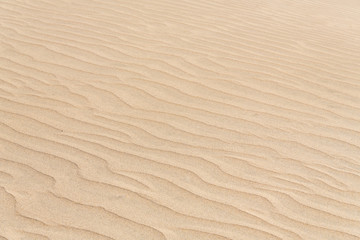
(179, 120)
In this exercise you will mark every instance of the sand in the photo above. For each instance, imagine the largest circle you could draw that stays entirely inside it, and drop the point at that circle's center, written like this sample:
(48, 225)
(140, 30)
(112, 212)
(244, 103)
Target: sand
(179, 120)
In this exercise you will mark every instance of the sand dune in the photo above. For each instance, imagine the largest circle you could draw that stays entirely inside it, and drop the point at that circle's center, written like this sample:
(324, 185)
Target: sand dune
(179, 120)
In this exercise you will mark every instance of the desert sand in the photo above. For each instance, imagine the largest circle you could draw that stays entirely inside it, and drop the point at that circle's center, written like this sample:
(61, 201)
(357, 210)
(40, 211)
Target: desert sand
(180, 120)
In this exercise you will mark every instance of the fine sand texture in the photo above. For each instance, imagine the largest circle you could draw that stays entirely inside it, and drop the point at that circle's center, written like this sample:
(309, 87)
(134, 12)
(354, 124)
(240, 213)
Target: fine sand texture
(179, 120)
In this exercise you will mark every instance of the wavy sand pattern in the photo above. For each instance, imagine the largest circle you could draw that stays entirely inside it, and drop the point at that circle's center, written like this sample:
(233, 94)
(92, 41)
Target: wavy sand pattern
(179, 120)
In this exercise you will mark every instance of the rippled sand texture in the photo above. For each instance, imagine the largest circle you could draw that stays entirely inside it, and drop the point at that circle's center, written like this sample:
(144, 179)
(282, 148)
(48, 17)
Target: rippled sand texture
(180, 120)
